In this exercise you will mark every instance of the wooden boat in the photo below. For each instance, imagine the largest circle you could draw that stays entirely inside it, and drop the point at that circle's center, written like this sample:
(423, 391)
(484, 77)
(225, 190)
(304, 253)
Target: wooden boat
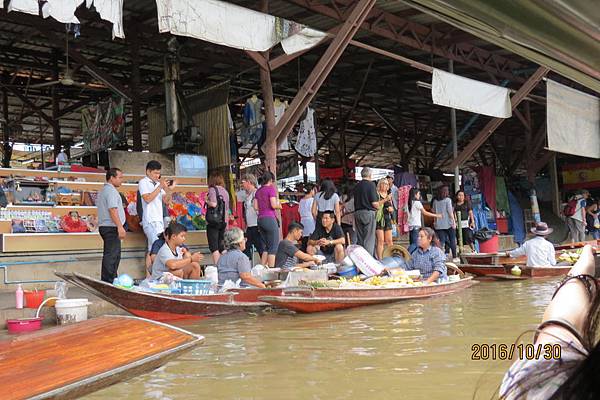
(70, 361)
(167, 307)
(527, 272)
(330, 299)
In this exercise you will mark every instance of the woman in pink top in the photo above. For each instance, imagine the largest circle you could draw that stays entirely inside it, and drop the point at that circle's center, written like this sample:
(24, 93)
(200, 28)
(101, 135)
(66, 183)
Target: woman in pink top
(266, 202)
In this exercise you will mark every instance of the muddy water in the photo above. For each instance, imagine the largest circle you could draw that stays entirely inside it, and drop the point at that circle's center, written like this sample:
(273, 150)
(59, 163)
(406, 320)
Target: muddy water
(410, 350)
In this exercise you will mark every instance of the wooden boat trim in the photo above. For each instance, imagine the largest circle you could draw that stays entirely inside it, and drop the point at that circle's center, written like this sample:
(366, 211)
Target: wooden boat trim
(109, 377)
(333, 300)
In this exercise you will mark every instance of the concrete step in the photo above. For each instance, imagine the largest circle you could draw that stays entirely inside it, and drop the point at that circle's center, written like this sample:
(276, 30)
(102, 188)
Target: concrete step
(97, 308)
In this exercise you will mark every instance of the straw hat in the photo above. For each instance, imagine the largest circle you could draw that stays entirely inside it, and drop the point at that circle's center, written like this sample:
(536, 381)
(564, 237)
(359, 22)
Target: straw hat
(541, 229)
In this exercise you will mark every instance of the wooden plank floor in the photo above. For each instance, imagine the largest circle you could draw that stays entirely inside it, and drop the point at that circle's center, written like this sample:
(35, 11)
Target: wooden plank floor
(52, 358)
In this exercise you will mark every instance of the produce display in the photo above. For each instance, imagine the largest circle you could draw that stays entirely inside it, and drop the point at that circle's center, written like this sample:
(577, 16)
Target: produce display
(401, 280)
(570, 256)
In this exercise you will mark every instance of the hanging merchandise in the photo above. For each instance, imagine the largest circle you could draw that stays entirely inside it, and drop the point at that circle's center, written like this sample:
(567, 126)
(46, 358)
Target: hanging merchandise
(103, 125)
(403, 192)
(253, 121)
(24, 6)
(306, 142)
(280, 108)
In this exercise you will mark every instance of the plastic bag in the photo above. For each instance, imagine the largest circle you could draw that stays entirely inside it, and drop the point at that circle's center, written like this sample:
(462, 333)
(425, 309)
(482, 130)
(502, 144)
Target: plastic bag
(61, 289)
(229, 284)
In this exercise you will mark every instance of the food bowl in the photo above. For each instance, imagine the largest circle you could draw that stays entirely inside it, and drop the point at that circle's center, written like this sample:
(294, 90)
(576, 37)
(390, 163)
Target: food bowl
(20, 325)
(320, 257)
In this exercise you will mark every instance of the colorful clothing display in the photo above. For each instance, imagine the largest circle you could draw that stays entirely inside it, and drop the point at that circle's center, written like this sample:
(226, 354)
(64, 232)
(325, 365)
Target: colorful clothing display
(252, 131)
(103, 125)
(403, 212)
(306, 142)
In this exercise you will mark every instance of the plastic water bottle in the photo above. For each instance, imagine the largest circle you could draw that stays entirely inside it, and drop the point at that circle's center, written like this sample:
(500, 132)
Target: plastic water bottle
(19, 297)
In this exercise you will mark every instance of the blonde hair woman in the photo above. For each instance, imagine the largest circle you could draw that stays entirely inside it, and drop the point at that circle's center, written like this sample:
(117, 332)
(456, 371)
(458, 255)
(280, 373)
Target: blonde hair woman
(383, 219)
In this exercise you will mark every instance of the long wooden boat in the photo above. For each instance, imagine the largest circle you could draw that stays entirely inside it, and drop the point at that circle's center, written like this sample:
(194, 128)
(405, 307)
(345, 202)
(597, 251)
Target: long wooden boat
(496, 259)
(165, 307)
(70, 361)
(528, 272)
(331, 299)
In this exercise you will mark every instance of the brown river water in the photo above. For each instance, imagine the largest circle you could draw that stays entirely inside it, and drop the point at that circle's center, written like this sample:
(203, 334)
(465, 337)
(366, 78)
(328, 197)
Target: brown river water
(417, 349)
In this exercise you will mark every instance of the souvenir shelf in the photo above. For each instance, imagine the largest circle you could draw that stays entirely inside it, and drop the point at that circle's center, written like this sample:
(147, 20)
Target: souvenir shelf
(47, 185)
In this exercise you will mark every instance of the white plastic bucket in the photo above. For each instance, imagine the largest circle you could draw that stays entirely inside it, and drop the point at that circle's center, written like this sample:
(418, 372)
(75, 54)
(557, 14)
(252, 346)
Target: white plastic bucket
(69, 311)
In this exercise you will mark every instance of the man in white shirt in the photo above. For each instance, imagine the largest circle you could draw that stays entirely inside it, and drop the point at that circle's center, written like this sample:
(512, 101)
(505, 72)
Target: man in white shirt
(539, 251)
(154, 192)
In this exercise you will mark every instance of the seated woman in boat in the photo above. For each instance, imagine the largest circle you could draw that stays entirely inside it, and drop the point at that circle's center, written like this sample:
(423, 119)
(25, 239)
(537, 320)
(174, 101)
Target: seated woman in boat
(539, 251)
(173, 257)
(289, 255)
(328, 239)
(568, 329)
(429, 258)
(233, 263)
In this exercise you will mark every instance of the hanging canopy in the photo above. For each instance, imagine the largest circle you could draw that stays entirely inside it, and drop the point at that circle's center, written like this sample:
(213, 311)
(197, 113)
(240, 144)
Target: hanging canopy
(563, 35)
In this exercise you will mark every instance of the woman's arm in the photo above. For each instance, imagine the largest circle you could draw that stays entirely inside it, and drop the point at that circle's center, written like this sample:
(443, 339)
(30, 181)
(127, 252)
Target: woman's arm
(338, 213)
(248, 278)
(434, 277)
(471, 219)
(255, 205)
(275, 204)
(314, 209)
(571, 303)
(430, 214)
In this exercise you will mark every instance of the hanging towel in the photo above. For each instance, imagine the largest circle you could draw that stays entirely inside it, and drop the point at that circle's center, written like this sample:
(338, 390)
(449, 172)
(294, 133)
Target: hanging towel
(501, 195)
(487, 182)
(470, 95)
(24, 6)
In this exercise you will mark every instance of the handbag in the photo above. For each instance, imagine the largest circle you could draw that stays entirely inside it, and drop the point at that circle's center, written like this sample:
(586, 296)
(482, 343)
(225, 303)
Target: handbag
(215, 216)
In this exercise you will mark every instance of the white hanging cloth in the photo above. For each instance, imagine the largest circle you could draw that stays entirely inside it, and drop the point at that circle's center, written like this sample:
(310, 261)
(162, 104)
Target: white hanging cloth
(24, 6)
(233, 26)
(572, 121)
(111, 11)
(470, 95)
(306, 142)
(62, 10)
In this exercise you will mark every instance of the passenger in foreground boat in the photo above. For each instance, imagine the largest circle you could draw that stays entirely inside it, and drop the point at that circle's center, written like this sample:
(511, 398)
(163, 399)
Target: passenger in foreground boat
(328, 239)
(539, 251)
(158, 244)
(569, 327)
(429, 258)
(174, 258)
(288, 255)
(234, 265)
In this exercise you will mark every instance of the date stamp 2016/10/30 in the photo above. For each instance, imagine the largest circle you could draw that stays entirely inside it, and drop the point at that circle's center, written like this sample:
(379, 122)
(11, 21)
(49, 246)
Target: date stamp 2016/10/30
(503, 351)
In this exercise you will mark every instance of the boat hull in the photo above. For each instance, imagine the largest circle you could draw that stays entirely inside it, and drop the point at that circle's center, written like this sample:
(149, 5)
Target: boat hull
(331, 299)
(527, 272)
(159, 307)
(70, 361)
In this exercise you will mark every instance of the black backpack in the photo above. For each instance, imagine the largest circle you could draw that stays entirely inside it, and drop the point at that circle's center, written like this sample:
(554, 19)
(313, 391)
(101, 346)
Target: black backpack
(215, 216)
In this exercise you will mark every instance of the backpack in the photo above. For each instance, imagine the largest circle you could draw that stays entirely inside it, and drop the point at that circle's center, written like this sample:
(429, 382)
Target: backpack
(216, 215)
(571, 207)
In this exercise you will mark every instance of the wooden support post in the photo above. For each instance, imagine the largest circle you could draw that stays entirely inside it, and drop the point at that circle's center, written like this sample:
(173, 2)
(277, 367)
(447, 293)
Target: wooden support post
(55, 106)
(323, 68)
(270, 146)
(491, 126)
(135, 95)
(6, 134)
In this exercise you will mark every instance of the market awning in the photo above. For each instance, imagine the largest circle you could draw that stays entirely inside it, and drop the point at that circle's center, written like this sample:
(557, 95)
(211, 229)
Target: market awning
(563, 35)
